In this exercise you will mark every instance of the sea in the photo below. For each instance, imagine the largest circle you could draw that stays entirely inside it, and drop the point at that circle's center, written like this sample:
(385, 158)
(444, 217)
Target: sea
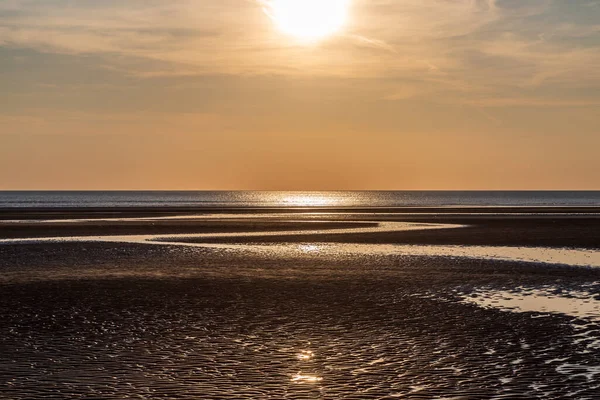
(47, 199)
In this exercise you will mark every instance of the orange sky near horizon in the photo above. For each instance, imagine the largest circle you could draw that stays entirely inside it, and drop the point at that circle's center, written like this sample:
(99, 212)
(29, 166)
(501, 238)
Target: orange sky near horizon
(203, 94)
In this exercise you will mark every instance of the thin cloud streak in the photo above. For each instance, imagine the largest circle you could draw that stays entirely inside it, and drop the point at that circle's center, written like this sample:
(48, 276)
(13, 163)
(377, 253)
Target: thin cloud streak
(423, 41)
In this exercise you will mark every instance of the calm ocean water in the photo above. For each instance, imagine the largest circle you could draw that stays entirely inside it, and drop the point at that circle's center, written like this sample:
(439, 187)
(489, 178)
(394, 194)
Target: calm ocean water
(274, 199)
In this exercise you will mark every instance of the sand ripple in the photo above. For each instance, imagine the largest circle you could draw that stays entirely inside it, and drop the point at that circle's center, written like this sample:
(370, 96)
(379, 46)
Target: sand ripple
(293, 340)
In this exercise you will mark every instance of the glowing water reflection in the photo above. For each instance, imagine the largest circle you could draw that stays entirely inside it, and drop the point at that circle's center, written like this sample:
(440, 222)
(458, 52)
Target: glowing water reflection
(309, 248)
(579, 303)
(305, 355)
(301, 378)
(565, 256)
(582, 304)
(571, 257)
(309, 200)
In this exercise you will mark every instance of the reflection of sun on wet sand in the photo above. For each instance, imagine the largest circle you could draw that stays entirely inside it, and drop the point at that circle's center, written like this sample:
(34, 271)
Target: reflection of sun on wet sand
(542, 300)
(302, 305)
(566, 256)
(300, 378)
(582, 303)
(305, 355)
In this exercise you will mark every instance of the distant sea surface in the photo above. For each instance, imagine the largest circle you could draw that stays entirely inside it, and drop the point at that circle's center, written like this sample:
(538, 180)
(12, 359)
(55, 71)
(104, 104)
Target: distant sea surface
(290, 199)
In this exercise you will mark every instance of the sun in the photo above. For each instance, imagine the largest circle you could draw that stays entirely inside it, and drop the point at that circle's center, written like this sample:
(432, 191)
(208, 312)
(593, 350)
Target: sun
(308, 20)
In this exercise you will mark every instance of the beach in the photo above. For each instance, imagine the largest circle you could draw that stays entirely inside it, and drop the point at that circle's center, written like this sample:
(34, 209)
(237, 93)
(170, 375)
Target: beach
(300, 303)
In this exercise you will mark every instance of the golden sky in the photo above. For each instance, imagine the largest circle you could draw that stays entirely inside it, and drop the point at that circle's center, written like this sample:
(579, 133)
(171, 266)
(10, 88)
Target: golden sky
(215, 94)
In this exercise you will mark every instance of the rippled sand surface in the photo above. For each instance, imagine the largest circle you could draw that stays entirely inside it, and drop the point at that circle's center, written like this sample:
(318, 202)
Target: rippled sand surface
(117, 320)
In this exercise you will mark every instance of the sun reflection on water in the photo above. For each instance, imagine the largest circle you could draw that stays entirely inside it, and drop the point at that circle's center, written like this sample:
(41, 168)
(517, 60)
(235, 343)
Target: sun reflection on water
(301, 378)
(309, 200)
(309, 248)
(305, 355)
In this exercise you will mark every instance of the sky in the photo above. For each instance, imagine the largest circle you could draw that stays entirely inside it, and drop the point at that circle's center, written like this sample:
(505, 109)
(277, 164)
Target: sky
(212, 94)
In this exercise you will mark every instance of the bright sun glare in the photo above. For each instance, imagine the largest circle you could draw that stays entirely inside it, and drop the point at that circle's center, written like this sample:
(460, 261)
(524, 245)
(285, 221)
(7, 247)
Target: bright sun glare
(308, 20)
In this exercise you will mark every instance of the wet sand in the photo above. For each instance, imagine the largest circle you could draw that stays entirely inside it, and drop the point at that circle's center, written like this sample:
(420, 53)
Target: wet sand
(114, 320)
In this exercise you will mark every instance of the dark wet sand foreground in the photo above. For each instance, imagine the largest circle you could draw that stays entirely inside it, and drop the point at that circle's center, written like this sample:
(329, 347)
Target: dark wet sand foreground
(298, 316)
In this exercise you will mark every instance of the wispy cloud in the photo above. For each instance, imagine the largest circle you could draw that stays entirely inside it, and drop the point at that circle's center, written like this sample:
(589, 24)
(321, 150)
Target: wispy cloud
(476, 44)
(528, 101)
